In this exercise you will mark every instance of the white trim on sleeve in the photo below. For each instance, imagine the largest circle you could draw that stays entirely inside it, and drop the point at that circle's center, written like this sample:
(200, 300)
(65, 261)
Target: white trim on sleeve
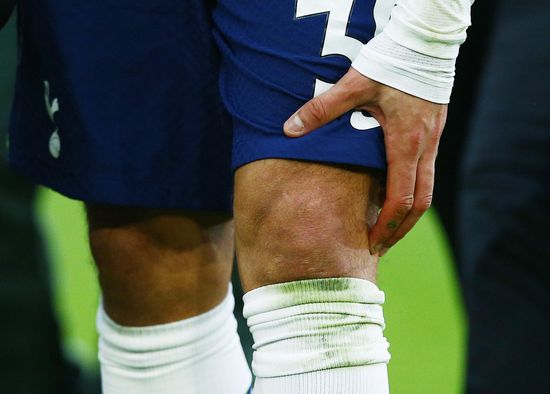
(417, 49)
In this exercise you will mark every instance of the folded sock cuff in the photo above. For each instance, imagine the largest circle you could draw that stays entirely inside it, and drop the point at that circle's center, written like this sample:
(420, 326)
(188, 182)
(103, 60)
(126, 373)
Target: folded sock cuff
(313, 325)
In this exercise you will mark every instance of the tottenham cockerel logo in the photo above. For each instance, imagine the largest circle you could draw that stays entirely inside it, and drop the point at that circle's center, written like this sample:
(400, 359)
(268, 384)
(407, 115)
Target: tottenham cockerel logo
(52, 107)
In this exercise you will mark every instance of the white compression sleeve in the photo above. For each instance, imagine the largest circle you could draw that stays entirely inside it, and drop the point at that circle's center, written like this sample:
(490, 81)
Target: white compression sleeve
(321, 336)
(417, 49)
(199, 355)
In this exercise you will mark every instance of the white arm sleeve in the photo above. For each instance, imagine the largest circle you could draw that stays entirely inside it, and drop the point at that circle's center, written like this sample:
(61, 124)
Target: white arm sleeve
(416, 50)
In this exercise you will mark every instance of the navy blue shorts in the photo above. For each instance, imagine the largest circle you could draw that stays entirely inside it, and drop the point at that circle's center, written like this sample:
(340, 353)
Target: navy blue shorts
(117, 101)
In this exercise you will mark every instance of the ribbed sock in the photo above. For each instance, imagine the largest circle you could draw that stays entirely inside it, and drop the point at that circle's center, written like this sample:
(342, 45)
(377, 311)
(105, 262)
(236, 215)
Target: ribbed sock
(322, 336)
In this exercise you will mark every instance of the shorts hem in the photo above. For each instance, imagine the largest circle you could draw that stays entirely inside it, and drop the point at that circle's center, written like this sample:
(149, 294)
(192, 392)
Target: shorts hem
(364, 152)
(98, 189)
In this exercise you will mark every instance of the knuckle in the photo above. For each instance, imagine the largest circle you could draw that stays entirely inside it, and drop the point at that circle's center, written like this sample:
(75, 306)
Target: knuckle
(415, 140)
(317, 110)
(424, 203)
(404, 204)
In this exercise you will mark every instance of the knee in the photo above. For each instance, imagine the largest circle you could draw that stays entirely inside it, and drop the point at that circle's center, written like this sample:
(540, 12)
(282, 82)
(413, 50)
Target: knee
(285, 215)
(121, 237)
(125, 240)
(307, 220)
(159, 266)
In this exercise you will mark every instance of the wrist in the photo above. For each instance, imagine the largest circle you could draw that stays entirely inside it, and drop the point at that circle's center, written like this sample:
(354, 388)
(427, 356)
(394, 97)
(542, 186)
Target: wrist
(392, 64)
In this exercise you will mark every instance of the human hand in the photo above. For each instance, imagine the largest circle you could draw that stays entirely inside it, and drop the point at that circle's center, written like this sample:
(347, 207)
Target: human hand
(412, 128)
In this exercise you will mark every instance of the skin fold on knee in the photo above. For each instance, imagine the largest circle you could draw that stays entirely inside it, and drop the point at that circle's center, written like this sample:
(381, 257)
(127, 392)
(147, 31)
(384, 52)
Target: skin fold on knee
(159, 266)
(298, 220)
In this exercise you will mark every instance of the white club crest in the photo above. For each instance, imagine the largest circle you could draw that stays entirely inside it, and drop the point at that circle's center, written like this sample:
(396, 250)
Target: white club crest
(52, 107)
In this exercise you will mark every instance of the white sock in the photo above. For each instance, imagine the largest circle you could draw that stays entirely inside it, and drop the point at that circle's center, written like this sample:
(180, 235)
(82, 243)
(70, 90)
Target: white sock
(321, 336)
(199, 355)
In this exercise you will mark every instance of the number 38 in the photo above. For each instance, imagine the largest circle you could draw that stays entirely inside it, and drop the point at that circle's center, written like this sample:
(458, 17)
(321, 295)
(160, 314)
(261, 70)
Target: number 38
(338, 43)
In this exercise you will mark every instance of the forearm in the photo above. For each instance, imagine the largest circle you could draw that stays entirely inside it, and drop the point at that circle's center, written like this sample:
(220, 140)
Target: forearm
(6, 8)
(417, 49)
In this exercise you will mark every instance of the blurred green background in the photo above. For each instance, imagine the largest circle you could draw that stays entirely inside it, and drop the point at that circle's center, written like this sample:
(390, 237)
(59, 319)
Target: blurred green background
(423, 310)
(424, 316)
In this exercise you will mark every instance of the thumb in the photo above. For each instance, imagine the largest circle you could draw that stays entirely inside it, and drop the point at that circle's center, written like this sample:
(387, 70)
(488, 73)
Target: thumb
(319, 111)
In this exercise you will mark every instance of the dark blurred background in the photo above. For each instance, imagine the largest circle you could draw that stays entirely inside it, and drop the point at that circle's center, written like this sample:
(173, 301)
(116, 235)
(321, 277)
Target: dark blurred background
(31, 359)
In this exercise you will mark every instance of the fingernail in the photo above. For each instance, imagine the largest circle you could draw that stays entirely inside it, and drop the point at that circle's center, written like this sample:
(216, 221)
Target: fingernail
(376, 249)
(294, 125)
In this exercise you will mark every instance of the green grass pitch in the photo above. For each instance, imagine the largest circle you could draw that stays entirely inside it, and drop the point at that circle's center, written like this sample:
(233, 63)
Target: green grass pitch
(423, 310)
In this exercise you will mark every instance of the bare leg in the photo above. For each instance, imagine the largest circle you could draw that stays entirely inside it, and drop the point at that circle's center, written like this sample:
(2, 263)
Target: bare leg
(312, 305)
(167, 318)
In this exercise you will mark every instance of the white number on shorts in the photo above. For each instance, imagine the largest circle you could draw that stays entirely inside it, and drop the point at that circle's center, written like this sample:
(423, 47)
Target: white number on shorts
(338, 43)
